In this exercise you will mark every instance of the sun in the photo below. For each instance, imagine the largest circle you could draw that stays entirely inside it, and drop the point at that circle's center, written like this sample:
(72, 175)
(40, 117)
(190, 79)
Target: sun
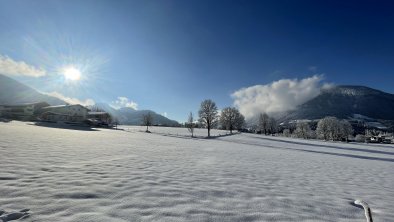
(72, 73)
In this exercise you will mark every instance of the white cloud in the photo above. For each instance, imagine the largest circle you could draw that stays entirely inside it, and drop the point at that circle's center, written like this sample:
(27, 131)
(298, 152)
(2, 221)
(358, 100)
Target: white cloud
(87, 102)
(278, 96)
(11, 67)
(124, 102)
(165, 114)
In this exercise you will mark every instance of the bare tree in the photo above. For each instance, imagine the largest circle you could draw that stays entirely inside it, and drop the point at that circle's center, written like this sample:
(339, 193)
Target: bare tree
(240, 122)
(190, 124)
(147, 120)
(208, 114)
(272, 125)
(263, 123)
(95, 108)
(231, 119)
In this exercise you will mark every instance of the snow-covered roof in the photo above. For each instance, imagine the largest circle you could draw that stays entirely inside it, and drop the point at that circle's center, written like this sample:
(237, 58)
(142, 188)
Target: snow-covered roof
(60, 106)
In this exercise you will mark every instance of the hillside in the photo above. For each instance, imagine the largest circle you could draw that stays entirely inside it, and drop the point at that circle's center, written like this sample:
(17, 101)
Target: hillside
(13, 92)
(345, 102)
(130, 116)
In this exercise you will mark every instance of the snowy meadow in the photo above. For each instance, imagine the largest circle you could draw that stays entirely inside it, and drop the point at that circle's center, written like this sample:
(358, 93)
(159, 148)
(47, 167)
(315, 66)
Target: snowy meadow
(97, 175)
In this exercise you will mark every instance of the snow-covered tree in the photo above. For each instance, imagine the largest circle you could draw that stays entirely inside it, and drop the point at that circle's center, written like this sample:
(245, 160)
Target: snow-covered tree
(286, 133)
(360, 138)
(263, 123)
(325, 128)
(303, 130)
(240, 123)
(147, 120)
(190, 124)
(346, 129)
(231, 119)
(272, 125)
(208, 114)
(330, 128)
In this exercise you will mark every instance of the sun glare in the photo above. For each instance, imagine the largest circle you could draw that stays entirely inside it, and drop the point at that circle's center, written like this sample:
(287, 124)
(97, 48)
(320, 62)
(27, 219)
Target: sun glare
(72, 73)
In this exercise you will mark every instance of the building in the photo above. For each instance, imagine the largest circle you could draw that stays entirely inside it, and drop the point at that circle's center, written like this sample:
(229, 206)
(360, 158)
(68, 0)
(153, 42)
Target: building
(378, 139)
(27, 111)
(99, 118)
(64, 113)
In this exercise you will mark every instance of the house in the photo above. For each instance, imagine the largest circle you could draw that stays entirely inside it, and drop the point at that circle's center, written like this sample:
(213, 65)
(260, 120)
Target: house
(64, 113)
(27, 111)
(378, 139)
(99, 118)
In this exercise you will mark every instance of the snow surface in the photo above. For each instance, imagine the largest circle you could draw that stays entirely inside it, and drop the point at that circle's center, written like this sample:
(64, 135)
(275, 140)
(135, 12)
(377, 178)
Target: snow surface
(127, 175)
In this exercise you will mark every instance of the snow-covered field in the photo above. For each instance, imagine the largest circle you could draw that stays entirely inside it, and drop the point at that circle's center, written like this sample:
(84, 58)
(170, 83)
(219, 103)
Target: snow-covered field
(109, 175)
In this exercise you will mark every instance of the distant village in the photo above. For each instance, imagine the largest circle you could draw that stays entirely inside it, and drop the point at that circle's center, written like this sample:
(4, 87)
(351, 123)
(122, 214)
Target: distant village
(42, 111)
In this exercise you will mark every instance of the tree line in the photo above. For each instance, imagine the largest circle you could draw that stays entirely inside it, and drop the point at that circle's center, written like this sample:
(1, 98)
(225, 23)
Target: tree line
(328, 128)
(229, 118)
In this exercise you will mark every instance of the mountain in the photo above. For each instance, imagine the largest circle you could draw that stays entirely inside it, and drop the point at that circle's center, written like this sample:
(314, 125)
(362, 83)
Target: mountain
(130, 116)
(346, 102)
(13, 92)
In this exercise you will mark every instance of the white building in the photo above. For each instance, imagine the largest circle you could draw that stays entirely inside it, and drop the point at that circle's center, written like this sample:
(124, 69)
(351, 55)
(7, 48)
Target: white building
(26, 111)
(64, 113)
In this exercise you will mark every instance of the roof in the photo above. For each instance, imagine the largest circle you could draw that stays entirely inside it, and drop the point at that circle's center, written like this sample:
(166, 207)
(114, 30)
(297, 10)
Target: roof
(60, 106)
(98, 113)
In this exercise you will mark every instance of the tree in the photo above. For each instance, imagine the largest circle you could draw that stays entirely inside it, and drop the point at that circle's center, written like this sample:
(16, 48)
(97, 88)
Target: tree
(231, 119)
(147, 120)
(333, 129)
(240, 122)
(327, 128)
(286, 133)
(263, 123)
(190, 123)
(303, 130)
(272, 125)
(360, 138)
(95, 108)
(346, 129)
(208, 114)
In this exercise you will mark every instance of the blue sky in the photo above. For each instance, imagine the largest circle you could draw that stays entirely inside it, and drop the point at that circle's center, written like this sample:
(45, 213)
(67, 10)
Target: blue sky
(170, 55)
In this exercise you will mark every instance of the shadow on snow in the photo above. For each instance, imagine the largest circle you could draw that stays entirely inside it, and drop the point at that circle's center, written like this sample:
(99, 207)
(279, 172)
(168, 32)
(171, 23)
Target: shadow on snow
(64, 126)
(328, 146)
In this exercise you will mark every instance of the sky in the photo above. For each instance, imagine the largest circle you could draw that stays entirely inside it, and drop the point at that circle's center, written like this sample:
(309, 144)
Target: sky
(168, 56)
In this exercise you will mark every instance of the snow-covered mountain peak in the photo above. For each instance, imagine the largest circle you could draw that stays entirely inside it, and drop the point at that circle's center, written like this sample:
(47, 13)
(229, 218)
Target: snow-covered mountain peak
(352, 90)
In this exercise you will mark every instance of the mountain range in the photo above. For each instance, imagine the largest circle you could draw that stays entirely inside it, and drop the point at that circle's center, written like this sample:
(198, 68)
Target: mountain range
(364, 107)
(345, 102)
(130, 116)
(13, 92)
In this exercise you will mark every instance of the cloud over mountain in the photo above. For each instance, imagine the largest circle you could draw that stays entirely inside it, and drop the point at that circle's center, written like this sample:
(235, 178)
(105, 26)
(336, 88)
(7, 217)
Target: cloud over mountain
(11, 67)
(124, 102)
(87, 102)
(278, 96)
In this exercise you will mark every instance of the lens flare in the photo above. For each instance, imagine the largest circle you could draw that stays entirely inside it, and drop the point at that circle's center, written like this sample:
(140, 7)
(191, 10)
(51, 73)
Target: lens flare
(71, 73)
